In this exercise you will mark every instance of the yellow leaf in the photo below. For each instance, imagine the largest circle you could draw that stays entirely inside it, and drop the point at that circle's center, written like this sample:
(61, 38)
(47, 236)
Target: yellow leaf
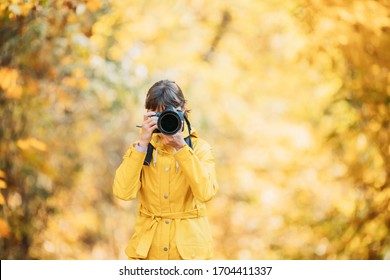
(83, 83)
(8, 82)
(15, 92)
(26, 8)
(8, 77)
(78, 73)
(31, 143)
(93, 5)
(4, 229)
(3, 175)
(22, 144)
(69, 81)
(2, 199)
(3, 184)
(38, 145)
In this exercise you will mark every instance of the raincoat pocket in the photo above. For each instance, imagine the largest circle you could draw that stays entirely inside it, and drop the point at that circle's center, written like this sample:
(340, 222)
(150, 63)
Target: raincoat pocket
(193, 239)
(132, 247)
(196, 251)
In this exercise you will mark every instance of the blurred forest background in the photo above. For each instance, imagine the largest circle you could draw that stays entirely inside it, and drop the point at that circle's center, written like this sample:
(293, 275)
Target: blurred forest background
(294, 96)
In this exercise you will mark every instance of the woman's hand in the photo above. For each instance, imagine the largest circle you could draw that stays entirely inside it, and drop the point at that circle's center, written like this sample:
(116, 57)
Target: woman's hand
(176, 140)
(148, 126)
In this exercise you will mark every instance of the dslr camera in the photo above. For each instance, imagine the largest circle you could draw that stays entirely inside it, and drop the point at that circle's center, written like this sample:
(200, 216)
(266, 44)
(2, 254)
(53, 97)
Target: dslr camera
(169, 122)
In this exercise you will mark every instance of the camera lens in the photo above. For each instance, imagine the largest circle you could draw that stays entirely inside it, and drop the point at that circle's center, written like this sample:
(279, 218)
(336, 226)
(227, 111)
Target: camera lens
(169, 123)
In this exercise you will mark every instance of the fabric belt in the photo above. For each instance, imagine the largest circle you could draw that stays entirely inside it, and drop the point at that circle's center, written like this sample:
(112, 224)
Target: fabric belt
(148, 231)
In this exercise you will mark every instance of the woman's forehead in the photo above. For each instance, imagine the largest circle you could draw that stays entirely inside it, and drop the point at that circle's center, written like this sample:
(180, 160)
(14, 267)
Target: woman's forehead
(161, 106)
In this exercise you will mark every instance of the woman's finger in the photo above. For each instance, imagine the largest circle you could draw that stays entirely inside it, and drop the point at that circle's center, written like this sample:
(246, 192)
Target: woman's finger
(149, 114)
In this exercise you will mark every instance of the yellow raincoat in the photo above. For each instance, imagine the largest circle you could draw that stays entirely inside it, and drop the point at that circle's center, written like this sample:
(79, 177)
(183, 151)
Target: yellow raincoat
(172, 191)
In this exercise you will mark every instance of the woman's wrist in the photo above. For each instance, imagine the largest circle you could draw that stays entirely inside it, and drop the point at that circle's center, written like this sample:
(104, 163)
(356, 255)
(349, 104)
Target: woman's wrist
(143, 144)
(140, 148)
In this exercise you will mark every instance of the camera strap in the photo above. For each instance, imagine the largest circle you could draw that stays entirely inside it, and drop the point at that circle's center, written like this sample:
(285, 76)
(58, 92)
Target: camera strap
(149, 152)
(188, 138)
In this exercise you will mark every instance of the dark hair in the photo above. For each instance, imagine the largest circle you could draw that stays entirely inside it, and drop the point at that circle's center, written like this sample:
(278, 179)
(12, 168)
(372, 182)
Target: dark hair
(164, 93)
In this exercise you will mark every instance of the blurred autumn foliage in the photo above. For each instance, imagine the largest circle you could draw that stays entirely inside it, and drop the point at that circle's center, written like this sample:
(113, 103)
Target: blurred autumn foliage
(294, 96)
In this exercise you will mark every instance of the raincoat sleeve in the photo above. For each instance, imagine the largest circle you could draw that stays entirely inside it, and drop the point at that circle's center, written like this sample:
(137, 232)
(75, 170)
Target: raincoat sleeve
(198, 165)
(127, 177)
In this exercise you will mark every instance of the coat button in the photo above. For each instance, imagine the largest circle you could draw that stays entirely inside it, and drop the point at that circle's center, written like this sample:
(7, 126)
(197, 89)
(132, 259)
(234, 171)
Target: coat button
(165, 249)
(167, 222)
(166, 169)
(165, 196)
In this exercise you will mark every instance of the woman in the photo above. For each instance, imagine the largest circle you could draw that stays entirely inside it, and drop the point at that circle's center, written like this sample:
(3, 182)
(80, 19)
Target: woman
(172, 176)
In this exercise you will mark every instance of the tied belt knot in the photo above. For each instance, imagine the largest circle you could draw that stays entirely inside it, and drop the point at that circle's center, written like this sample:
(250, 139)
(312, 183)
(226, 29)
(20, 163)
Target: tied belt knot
(149, 229)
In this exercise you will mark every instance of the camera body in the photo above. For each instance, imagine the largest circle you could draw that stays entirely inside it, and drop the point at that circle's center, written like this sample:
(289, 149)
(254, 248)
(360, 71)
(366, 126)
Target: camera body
(169, 122)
